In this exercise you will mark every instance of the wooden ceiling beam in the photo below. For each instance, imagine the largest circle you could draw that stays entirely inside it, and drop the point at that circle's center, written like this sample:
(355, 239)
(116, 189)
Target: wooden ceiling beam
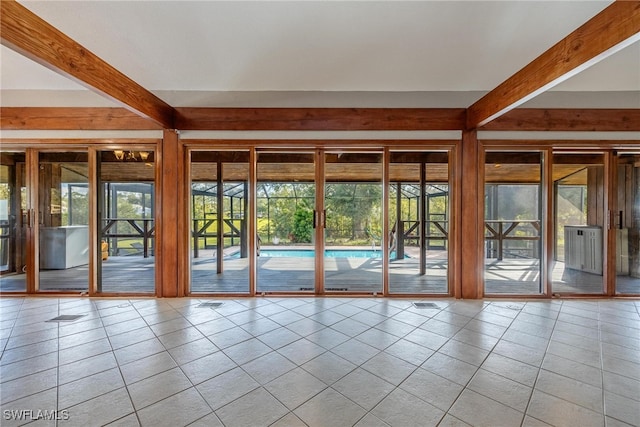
(565, 119)
(521, 119)
(320, 119)
(610, 31)
(72, 118)
(26, 33)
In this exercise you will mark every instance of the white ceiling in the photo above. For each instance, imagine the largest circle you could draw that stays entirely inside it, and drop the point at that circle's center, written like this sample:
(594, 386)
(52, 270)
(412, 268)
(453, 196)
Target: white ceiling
(319, 53)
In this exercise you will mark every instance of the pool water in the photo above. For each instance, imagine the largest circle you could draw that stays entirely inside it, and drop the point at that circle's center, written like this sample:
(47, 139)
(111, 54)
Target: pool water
(328, 253)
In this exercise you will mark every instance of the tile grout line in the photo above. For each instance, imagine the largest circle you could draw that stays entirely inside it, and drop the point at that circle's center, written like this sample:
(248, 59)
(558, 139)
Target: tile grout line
(135, 410)
(58, 368)
(449, 338)
(465, 387)
(99, 317)
(15, 320)
(179, 366)
(533, 388)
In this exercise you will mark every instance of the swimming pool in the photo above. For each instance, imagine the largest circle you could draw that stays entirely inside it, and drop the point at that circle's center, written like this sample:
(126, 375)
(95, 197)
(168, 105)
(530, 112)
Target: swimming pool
(328, 253)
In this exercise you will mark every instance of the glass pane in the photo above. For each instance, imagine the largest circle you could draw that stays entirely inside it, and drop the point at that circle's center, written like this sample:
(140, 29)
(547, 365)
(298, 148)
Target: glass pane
(512, 223)
(353, 231)
(627, 225)
(418, 206)
(13, 222)
(126, 214)
(219, 228)
(285, 204)
(579, 184)
(63, 203)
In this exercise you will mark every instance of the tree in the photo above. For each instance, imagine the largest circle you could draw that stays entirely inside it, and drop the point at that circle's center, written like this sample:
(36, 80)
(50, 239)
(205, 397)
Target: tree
(302, 224)
(78, 212)
(353, 209)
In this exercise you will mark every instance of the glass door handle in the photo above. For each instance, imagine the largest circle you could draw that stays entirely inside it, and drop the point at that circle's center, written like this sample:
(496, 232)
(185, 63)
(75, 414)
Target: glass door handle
(620, 220)
(320, 218)
(27, 214)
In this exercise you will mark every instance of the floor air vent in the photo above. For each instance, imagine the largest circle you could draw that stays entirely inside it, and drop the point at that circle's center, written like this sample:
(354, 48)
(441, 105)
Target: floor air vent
(425, 305)
(210, 304)
(66, 318)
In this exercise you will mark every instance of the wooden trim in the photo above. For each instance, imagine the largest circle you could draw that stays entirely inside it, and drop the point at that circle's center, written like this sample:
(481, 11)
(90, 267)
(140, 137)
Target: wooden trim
(455, 215)
(560, 145)
(26, 33)
(616, 27)
(548, 216)
(53, 143)
(253, 221)
(565, 119)
(385, 221)
(188, 118)
(522, 119)
(94, 233)
(312, 144)
(184, 224)
(159, 210)
(72, 118)
(480, 208)
(319, 231)
(33, 230)
(609, 237)
(182, 227)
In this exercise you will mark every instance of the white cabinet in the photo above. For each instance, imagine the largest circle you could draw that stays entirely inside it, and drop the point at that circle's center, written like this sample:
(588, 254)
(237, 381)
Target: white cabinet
(583, 248)
(64, 247)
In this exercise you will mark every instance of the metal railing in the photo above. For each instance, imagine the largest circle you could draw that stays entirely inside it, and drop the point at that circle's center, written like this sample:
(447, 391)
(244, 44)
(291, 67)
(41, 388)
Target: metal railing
(143, 228)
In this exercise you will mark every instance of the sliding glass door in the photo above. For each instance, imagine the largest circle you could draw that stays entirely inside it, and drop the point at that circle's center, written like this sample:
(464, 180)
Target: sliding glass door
(44, 221)
(626, 224)
(63, 221)
(353, 244)
(419, 219)
(579, 183)
(15, 221)
(287, 218)
(126, 211)
(513, 223)
(219, 243)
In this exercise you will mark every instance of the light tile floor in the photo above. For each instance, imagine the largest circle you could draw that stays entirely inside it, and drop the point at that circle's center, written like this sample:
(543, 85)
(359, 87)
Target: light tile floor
(319, 362)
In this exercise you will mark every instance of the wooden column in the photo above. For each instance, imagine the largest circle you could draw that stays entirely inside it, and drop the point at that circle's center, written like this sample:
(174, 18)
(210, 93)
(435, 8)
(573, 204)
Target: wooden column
(471, 224)
(166, 219)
